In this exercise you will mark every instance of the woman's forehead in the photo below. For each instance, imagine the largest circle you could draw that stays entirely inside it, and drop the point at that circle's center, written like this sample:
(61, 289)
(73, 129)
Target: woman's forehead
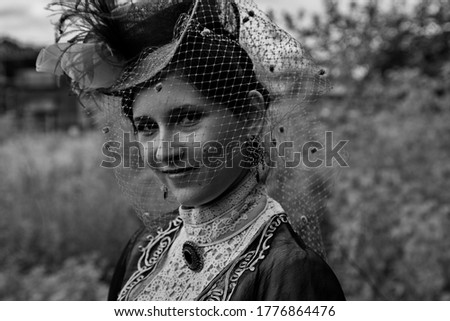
(169, 93)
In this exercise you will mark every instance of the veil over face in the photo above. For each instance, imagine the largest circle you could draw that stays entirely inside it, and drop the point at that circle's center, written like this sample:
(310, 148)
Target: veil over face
(124, 54)
(185, 138)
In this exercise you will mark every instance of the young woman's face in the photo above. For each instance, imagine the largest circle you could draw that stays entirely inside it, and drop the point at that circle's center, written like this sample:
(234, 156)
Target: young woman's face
(190, 142)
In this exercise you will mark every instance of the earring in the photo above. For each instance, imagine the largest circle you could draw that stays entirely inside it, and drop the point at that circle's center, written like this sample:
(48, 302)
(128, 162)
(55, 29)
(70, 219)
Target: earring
(158, 87)
(165, 191)
(253, 146)
(256, 153)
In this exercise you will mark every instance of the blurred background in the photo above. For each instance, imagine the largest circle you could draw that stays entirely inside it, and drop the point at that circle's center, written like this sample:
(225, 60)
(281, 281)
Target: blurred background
(63, 222)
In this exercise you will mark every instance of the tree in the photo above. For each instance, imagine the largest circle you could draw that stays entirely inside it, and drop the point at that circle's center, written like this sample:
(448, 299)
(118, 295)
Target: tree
(366, 41)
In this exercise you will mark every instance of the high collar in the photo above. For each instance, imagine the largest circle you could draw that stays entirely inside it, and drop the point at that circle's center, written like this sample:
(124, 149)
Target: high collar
(229, 215)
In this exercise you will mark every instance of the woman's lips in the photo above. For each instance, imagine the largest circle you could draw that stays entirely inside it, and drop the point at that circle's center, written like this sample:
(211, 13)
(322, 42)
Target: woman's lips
(177, 172)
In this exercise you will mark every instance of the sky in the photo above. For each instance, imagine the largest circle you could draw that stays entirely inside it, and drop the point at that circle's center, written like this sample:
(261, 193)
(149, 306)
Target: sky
(29, 22)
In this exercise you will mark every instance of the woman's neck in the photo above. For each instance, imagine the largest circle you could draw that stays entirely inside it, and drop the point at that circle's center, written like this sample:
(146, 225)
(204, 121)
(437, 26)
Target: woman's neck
(234, 212)
(233, 199)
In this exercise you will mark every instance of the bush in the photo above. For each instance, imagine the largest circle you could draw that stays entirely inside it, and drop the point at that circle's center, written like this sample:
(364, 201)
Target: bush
(76, 279)
(391, 207)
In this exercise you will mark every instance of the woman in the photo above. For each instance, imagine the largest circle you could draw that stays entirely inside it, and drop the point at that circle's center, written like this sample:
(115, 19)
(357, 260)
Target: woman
(193, 88)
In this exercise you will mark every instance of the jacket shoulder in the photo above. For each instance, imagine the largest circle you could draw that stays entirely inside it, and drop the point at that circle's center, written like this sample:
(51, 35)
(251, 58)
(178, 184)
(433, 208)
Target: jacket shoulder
(286, 269)
(123, 267)
(291, 271)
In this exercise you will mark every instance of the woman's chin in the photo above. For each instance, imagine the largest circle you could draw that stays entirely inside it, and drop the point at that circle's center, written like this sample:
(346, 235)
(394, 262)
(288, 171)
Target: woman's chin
(194, 193)
(194, 196)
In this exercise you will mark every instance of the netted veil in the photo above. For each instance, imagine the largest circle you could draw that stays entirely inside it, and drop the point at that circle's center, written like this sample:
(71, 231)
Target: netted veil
(120, 54)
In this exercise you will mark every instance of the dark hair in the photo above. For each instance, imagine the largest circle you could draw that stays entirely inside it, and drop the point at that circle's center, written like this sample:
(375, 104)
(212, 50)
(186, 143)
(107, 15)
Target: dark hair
(213, 64)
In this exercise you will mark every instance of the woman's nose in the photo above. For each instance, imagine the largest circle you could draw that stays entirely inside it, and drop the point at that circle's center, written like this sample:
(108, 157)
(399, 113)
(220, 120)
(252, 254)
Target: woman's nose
(168, 149)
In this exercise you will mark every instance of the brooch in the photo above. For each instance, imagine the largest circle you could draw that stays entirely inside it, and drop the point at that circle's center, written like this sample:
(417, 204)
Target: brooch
(192, 255)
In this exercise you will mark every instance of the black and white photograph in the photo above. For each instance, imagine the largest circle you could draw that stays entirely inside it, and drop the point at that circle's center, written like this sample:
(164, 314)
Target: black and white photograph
(225, 150)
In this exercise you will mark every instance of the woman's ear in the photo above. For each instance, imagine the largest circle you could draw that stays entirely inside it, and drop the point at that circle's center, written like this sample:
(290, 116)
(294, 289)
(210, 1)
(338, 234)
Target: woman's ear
(256, 100)
(256, 115)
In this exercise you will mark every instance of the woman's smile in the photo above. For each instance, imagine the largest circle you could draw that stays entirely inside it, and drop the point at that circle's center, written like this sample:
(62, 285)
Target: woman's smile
(179, 172)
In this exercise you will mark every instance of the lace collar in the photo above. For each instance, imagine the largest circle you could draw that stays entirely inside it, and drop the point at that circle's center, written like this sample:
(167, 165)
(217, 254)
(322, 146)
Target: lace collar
(221, 220)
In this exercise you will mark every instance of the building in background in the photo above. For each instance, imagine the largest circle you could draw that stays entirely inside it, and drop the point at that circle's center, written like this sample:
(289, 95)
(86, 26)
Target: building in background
(35, 101)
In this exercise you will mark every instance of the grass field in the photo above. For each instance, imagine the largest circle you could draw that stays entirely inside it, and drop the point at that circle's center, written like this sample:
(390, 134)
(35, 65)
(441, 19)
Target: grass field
(63, 222)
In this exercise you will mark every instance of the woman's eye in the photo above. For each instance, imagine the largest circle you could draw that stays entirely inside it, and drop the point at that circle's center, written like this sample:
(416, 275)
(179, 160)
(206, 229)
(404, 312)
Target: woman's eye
(147, 129)
(189, 119)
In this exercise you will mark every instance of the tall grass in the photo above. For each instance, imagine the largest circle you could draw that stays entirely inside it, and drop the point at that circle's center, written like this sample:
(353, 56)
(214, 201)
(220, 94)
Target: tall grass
(62, 216)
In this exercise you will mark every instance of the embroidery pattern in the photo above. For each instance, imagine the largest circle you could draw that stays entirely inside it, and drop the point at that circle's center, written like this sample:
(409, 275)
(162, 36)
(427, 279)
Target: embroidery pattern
(223, 289)
(176, 282)
(148, 259)
(233, 222)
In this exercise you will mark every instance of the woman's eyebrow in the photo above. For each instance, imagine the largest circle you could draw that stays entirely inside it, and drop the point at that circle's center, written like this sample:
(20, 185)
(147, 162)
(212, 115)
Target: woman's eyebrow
(141, 119)
(183, 109)
(175, 112)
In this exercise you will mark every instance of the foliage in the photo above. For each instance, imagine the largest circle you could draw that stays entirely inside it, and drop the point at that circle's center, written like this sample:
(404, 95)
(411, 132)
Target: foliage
(367, 41)
(391, 208)
(75, 279)
(57, 204)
